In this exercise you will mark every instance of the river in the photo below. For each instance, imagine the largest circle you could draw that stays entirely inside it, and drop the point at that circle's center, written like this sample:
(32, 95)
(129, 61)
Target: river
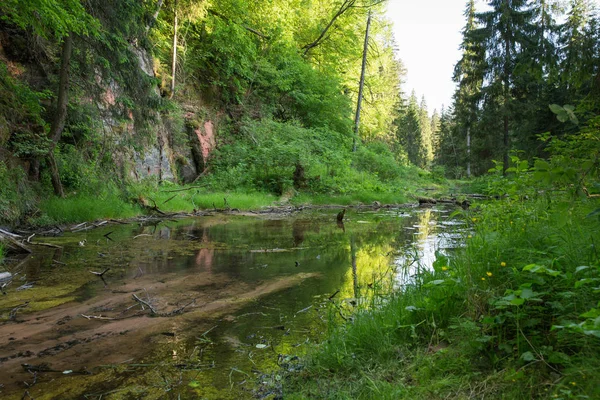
(214, 307)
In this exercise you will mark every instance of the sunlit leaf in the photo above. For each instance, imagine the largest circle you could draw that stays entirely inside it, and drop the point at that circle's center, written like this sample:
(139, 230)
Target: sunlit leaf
(517, 301)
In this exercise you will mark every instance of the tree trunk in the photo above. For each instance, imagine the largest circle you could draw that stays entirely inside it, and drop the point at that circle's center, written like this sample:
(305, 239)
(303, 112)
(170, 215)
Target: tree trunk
(506, 101)
(361, 84)
(468, 151)
(174, 64)
(58, 124)
(55, 176)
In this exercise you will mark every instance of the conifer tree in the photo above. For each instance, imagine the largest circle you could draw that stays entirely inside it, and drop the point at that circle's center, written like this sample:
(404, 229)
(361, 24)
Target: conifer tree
(426, 150)
(468, 74)
(505, 32)
(409, 131)
(578, 42)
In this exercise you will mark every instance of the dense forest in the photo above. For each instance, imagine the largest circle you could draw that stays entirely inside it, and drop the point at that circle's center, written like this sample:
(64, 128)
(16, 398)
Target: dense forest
(111, 109)
(98, 96)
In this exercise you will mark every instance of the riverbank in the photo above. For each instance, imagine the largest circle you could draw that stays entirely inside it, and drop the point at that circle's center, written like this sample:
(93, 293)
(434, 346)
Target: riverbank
(138, 200)
(511, 315)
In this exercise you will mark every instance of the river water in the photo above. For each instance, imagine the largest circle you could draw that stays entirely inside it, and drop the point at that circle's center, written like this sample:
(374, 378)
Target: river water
(222, 303)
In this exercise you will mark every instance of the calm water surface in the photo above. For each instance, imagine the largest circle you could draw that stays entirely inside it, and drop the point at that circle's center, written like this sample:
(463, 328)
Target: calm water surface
(233, 300)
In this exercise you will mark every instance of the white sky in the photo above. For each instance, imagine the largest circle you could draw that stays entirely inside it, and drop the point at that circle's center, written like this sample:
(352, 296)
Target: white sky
(428, 35)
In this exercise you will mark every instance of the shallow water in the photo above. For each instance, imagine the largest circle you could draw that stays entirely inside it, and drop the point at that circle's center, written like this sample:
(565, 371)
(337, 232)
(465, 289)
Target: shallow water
(233, 299)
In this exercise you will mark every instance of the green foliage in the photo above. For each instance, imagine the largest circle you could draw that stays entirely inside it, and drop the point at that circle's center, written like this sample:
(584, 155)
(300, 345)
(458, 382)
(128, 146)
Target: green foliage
(266, 157)
(377, 159)
(565, 113)
(85, 207)
(58, 18)
(519, 66)
(517, 305)
(25, 130)
(16, 196)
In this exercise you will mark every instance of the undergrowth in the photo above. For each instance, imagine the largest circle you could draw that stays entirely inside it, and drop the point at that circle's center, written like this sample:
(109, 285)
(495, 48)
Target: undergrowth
(512, 315)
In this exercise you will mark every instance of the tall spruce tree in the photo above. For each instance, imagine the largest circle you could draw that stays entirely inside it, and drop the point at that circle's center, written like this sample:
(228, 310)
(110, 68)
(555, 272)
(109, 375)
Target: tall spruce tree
(426, 150)
(409, 131)
(505, 32)
(468, 74)
(577, 42)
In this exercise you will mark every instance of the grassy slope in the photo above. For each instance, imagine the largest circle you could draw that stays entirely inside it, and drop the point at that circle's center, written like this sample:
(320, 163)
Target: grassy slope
(480, 325)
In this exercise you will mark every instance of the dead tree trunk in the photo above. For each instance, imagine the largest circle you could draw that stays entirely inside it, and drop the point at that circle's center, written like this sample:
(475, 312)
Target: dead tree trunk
(58, 124)
(362, 83)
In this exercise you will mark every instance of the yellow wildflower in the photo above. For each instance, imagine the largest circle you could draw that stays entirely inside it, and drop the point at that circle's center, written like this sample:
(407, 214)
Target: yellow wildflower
(483, 279)
(503, 264)
(444, 268)
(474, 219)
(488, 273)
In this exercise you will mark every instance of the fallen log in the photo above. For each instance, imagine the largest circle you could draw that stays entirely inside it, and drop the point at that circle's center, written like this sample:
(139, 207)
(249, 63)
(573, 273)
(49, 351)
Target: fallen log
(426, 201)
(12, 244)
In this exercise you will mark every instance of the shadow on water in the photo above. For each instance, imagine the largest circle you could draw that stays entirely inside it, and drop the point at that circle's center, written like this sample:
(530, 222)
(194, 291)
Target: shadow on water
(222, 302)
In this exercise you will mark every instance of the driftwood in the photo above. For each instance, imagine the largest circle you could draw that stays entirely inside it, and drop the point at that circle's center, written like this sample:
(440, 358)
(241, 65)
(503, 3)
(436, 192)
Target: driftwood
(11, 243)
(101, 275)
(145, 303)
(100, 317)
(146, 206)
(426, 201)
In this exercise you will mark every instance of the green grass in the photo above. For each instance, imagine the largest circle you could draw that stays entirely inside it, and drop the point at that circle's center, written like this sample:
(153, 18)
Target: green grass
(350, 199)
(85, 207)
(1, 253)
(198, 199)
(512, 315)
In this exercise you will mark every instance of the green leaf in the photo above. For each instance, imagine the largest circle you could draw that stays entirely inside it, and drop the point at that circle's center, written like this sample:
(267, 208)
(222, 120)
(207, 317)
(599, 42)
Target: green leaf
(581, 268)
(556, 109)
(528, 356)
(585, 281)
(593, 313)
(540, 269)
(517, 301)
(527, 294)
(541, 165)
(523, 165)
(435, 282)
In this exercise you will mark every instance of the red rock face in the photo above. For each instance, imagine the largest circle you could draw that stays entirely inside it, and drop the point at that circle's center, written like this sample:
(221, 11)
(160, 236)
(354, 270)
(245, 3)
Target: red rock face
(206, 137)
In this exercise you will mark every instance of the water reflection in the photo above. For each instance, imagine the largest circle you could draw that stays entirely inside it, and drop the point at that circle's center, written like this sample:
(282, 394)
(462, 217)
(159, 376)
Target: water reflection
(261, 289)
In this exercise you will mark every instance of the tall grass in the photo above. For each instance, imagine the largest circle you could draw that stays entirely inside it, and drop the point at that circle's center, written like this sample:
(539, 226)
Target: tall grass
(86, 207)
(199, 199)
(512, 315)
(362, 197)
